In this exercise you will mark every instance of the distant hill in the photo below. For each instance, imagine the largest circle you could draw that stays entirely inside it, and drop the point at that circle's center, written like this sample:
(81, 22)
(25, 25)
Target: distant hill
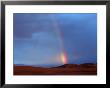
(88, 65)
(67, 66)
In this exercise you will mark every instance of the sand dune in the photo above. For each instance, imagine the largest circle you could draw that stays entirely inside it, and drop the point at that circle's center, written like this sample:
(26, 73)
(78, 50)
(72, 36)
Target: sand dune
(67, 69)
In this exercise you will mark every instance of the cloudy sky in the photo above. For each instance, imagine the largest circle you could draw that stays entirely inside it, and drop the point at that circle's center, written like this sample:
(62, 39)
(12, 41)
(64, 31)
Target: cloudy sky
(55, 39)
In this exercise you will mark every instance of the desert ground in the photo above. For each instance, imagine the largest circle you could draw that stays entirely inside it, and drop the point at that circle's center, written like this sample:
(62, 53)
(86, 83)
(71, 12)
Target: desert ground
(66, 69)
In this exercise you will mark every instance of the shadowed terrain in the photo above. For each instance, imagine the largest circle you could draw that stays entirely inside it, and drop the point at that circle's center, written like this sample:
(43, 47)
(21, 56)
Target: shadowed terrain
(66, 69)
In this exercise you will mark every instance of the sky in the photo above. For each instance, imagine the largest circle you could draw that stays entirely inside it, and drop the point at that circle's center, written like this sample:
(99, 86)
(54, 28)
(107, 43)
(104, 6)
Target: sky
(53, 39)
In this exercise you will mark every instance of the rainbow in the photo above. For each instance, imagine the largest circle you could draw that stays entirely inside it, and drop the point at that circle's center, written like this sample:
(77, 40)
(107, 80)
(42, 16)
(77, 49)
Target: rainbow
(63, 55)
(64, 58)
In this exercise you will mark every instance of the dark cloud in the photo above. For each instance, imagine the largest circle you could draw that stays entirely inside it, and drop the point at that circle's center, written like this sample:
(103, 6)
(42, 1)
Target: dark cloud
(27, 24)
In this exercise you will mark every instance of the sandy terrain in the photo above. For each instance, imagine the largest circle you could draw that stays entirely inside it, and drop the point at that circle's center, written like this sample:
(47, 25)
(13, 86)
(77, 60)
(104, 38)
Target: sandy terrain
(67, 69)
